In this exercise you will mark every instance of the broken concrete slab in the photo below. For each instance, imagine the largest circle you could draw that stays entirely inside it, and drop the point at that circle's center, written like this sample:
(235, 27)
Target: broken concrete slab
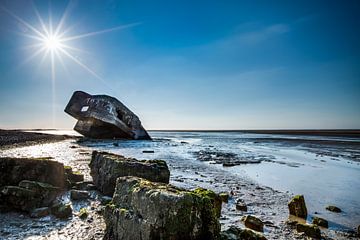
(102, 116)
(107, 167)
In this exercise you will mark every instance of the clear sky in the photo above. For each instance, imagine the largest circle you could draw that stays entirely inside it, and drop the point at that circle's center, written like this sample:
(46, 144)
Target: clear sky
(188, 64)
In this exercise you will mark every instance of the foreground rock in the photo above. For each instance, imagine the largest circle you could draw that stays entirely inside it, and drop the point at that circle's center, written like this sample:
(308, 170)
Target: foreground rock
(235, 233)
(310, 230)
(297, 206)
(14, 170)
(141, 209)
(105, 168)
(102, 116)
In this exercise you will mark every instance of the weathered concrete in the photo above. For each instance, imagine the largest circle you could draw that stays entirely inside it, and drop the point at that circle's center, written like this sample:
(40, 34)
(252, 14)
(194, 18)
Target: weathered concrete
(141, 209)
(102, 116)
(105, 168)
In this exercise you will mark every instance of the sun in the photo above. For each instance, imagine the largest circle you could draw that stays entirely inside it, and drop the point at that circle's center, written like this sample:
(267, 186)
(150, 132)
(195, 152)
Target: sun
(52, 42)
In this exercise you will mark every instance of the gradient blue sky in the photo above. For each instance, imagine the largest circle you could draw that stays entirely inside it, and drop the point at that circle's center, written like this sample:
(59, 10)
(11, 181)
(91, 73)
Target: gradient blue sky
(192, 64)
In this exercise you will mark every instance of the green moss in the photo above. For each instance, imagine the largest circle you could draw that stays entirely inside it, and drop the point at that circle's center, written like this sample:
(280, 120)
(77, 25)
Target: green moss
(77, 173)
(67, 167)
(83, 213)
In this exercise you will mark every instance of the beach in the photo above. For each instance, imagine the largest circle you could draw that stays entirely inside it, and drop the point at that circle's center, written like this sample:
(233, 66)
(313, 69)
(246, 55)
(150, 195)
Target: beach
(262, 170)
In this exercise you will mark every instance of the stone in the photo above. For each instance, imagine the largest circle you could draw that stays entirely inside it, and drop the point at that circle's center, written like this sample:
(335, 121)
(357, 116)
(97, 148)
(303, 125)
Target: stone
(332, 208)
(105, 168)
(320, 222)
(297, 206)
(28, 195)
(240, 205)
(40, 212)
(75, 177)
(79, 194)
(253, 223)
(224, 197)
(309, 230)
(104, 117)
(146, 210)
(148, 151)
(13, 170)
(61, 210)
(235, 233)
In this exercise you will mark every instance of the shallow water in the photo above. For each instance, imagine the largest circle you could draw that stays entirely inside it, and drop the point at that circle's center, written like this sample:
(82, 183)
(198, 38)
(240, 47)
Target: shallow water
(325, 173)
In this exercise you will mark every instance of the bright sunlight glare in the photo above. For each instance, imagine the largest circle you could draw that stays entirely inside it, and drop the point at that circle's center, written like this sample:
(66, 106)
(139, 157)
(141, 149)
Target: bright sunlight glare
(52, 42)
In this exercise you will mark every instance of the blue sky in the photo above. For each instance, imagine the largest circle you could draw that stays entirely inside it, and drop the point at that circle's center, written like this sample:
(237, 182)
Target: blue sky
(190, 64)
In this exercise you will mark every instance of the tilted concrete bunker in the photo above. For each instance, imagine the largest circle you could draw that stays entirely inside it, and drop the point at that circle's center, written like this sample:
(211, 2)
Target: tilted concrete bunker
(105, 117)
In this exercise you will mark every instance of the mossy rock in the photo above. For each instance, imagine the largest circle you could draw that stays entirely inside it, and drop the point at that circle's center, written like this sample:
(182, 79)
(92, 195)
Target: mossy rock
(332, 208)
(253, 223)
(310, 230)
(320, 222)
(235, 233)
(297, 206)
(61, 210)
(147, 210)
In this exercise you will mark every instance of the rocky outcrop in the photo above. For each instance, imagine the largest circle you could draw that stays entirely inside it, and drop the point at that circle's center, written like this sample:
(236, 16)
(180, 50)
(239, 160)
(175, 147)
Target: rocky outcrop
(14, 170)
(102, 116)
(105, 168)
(141, 209)
(297, 206)
(235, 233)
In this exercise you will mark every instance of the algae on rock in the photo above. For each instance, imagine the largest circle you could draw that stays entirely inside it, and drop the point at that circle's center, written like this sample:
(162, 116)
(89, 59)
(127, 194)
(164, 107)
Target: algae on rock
(141, 209)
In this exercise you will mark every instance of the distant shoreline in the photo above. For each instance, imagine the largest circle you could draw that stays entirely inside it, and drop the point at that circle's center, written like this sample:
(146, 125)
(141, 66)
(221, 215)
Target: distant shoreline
(353, 133)
(315, 132)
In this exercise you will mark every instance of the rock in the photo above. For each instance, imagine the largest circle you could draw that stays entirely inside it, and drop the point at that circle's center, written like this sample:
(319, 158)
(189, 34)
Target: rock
(40, 212)
(28, 195)
(240, 205)
(105, 168)
(141, 209)
(297, 206)
(79, 194)
(253, 223)
(75, 177)
(105, 200)
(320, 222)
(13, 170)
(148, 151)
(61, 210)
(102, 116)
(224, 197)
(83, 213)
(333, 209)
(310, 230)
(235, 233)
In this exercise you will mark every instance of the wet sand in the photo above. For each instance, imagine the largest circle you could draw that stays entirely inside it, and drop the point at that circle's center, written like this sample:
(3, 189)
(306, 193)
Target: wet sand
(262, 201)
